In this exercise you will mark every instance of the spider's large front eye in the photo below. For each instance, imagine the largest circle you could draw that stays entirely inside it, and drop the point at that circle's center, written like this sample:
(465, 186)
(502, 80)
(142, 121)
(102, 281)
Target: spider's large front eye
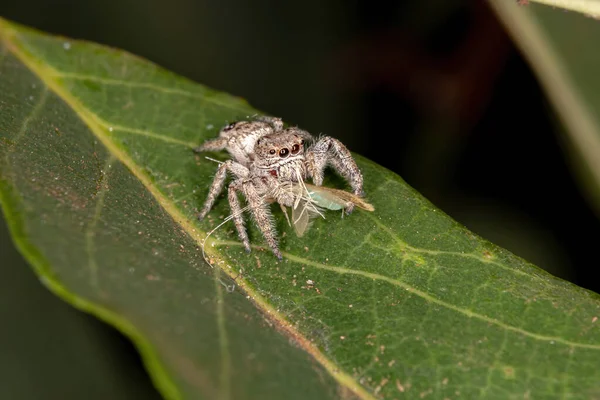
(295, 148)
(272, 151)
(229, 127)
(283, 152)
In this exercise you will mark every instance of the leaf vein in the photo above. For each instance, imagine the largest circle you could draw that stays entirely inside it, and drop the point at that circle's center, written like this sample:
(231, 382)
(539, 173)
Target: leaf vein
(427, 297)
(142, 132)
(225, 373)
(145, 85)
(408, 248)
(90, 232)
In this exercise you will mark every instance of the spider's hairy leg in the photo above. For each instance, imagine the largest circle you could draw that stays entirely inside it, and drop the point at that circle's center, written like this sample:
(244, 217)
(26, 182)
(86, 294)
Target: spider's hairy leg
(338, 166)
(219, 181)
(332, 151)
(237, 212)
(217, 144)
(262, 216)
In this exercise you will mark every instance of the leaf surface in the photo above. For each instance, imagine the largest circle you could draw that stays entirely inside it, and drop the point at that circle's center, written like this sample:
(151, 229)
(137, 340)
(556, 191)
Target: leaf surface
(100, 187)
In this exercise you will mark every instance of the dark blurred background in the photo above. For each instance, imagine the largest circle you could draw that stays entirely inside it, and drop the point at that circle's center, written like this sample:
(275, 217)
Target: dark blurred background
(432, 89)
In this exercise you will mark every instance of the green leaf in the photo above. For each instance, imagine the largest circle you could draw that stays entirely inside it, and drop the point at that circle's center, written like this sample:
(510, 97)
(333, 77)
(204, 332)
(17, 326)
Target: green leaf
(48, 346)
(562, 49)
(100, 187)
(588, 7)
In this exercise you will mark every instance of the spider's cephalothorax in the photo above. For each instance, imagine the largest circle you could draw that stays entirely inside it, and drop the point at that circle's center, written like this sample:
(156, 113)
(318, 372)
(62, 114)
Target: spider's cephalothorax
(266, 158)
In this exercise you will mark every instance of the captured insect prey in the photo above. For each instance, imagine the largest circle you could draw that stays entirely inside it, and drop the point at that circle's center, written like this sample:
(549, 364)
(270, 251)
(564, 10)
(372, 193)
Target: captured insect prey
(269, 164)
(311, 199)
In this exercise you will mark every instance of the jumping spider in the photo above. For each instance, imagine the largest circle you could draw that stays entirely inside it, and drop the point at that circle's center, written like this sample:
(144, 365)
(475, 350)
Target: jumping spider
(265, 158)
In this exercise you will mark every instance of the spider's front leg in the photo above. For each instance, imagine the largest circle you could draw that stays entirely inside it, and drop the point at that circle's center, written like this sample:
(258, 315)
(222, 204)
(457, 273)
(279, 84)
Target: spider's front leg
(237, 211)
(215, 189)
(260, 210)
(331, 151)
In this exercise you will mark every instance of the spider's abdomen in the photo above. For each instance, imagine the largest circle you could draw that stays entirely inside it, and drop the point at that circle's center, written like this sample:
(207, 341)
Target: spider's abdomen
(241, 138)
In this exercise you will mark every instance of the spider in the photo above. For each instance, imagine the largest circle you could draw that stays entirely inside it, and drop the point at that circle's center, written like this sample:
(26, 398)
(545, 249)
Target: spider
(266, 159)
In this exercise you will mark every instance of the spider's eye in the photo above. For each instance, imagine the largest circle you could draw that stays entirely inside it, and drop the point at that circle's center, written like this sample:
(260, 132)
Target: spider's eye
(271, 151)
(302, 141)
(229, 127)
(295, 148)
(283, 152)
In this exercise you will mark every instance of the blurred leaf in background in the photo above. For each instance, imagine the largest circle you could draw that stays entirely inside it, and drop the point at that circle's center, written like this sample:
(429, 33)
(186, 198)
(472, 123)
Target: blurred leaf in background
(562, 49)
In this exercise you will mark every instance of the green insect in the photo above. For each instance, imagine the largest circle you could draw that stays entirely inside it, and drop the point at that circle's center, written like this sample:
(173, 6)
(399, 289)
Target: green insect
(311, 200)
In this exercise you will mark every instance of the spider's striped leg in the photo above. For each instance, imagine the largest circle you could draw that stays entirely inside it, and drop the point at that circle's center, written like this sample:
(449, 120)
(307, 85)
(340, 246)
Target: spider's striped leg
(237, 211)
(260, 210)
(217, 186)
(331, 151)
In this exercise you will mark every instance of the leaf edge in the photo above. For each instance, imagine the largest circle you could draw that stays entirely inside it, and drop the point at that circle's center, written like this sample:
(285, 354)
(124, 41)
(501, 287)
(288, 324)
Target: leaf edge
(8, 33)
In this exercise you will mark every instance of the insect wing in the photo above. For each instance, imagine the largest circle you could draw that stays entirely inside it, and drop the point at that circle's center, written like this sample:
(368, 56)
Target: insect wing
(335, 199)
(326, 199)
(300, 217)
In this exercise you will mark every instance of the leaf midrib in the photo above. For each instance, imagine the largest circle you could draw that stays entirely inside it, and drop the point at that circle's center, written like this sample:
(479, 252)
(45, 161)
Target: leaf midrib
(47, 75)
